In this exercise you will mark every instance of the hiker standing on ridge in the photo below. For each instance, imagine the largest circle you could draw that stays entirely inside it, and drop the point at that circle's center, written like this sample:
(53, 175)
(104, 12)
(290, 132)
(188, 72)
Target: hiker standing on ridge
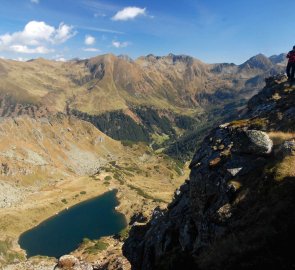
(291, 65)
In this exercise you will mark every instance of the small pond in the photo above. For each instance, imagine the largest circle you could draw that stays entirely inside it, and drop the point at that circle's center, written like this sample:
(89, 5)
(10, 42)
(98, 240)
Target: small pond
(63, 233)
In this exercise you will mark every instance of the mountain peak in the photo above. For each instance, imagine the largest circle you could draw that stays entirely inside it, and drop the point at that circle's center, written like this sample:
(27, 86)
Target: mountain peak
(180, 58)
(125, 57)
(171, 58)
(278, 59)
(39, 60)
(259, 61)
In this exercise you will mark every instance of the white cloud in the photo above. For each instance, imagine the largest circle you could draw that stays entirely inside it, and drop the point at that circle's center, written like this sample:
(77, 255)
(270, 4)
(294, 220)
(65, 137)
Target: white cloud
(91, 50)
(89, 40)
(118, 44)
(63, 33)
(129, 13)
(60, 59)
(21, 59)
(35, 1)
(35, 38)
(26, 49)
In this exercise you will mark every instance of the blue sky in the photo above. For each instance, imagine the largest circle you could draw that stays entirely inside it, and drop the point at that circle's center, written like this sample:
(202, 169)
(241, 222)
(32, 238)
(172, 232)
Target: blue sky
(210, 30)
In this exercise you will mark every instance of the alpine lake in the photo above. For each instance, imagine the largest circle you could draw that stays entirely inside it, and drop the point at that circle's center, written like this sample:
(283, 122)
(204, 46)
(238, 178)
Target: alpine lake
(63, 233)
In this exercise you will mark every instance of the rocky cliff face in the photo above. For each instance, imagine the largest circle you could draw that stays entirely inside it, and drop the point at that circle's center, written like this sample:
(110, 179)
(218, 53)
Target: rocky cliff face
(236, 211)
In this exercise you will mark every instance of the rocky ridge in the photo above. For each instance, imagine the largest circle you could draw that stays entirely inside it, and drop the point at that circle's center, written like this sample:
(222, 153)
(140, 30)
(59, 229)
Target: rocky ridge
(237, 208)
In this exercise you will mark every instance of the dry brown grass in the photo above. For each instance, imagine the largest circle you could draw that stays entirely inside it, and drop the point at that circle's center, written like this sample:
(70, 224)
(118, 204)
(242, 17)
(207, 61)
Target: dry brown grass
(237, 185)
(286, 168)
(279, 137)
(257, 122)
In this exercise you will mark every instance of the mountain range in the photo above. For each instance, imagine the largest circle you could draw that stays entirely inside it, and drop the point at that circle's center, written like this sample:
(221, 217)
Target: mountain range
(177, 89)
(107, 82)
(56, 120)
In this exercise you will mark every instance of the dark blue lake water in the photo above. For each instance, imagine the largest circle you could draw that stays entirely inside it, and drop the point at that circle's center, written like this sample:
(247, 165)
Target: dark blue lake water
(63, 233)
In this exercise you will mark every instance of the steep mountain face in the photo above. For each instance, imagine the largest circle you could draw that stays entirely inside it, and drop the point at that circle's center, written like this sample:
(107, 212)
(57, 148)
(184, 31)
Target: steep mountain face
(259, 62)
(141, 123)
(34, 150)
(236, 211)
(279, 59)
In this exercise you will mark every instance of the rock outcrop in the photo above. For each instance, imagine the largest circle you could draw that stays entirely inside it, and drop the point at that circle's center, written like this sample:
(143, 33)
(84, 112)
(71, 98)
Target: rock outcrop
(70, 262)
(236, 211)
(288, 148)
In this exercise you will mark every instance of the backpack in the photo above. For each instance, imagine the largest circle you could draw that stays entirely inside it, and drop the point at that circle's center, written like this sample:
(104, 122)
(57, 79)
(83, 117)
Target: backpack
(291, 56)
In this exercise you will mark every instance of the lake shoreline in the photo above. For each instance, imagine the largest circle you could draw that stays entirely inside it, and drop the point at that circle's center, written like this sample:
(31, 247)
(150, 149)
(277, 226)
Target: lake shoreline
(47, 202)
(63, 233)
(42, 205)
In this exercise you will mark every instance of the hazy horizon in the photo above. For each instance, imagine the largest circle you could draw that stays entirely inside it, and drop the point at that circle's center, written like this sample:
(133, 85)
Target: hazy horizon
(118, 55)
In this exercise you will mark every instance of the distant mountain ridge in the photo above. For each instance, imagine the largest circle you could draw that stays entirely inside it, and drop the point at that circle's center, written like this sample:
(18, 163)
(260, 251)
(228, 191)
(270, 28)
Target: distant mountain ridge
(176, 81)
(176, 84)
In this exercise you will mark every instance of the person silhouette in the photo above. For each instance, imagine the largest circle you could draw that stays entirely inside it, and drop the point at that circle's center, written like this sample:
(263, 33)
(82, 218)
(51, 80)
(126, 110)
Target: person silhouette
(291, 65)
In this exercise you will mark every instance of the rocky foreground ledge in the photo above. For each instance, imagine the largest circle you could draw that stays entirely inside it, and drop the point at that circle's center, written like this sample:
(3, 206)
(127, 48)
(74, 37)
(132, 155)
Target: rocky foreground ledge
(237, 209)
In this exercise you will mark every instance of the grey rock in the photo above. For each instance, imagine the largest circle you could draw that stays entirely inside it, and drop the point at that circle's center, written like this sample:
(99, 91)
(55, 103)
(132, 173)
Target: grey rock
(234, 171)
(70, 262)
(224, 212)
(252, 142)
(288, 148)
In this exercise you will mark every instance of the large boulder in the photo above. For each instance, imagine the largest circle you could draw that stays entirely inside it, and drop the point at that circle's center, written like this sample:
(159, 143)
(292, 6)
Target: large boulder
(70, 262)
(252, 142)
